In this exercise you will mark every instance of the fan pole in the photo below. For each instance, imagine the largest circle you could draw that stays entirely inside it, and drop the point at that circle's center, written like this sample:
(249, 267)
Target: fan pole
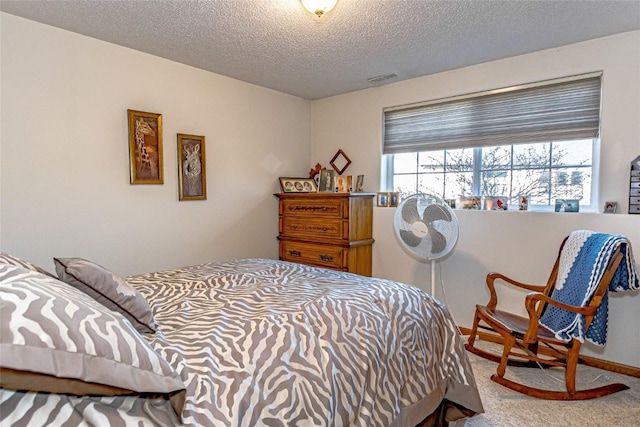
(433, 278)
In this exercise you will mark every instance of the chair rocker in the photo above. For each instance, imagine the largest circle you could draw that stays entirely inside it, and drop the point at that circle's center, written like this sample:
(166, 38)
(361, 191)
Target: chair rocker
(522, 336)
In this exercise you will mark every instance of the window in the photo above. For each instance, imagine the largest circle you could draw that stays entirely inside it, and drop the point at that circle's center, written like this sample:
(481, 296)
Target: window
(537, 140)
(543, 171)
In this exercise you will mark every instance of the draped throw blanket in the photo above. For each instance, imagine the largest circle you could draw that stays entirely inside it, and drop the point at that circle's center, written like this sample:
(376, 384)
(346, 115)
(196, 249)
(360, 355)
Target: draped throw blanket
(583, 261)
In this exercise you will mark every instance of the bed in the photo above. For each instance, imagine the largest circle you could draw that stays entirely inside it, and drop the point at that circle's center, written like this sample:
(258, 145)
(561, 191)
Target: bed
(249, 342)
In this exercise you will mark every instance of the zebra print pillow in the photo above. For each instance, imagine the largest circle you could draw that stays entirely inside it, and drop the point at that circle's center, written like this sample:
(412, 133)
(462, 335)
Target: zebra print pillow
(9, 259)
(55, 338)
(110, 290)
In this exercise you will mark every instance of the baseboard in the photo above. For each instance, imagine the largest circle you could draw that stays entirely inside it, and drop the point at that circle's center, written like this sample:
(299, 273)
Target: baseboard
(618, 368)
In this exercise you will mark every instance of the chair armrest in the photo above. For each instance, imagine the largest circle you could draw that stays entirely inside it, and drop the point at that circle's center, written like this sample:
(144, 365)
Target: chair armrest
(531, 304)
(533, 298)
(492, 277)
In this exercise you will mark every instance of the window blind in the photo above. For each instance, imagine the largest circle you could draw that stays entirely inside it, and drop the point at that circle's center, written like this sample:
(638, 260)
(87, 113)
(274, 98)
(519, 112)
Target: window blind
(561, 109)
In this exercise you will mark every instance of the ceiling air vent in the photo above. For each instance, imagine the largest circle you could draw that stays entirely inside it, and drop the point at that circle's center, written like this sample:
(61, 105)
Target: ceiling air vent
(381, 79)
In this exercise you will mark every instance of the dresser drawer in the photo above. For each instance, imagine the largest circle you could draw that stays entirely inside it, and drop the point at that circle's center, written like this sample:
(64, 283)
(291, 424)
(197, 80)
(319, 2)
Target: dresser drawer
(313, 228)
(310, 208)
(320, 255)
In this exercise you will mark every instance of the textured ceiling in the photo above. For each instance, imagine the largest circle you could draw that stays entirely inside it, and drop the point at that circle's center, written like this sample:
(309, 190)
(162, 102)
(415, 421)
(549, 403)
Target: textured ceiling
(278, 45)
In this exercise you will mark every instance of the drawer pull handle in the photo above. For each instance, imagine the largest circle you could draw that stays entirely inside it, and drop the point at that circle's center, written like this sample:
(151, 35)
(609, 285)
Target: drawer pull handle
(326, 258)
(309, 208)
(294, 253)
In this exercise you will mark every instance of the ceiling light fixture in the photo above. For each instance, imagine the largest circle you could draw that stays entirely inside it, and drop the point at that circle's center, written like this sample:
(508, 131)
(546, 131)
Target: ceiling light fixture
(319, 7)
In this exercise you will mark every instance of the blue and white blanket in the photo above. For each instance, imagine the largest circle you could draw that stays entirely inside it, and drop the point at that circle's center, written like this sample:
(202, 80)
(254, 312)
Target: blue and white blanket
(583, 261)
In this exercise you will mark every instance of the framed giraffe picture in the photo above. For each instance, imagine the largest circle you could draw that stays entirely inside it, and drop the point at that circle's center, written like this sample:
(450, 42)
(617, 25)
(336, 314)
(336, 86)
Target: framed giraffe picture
(192, 176)
(145, 147)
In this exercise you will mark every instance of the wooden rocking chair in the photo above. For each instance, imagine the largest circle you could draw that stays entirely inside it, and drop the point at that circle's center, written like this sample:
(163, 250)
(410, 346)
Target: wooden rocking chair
(522, 335)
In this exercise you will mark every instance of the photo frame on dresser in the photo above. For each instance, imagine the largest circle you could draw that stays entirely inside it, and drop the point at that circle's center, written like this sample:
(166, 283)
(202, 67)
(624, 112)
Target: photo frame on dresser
(327, 181)
(145, 147)
(192, 170)
(298, 185)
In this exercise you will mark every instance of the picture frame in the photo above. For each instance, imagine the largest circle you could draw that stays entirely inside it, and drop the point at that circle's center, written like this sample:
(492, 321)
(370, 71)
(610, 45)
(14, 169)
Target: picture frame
(192, 168)
(470, 202)
(359, 183)
(145, 148)
(394, 199)
(382, 199)
(451, 203)
(342, 184)
(496, 203)
(327, 181)
(315, 171)
(610, 207)
(340, 162)
(567, 205)
(298, 185)
(350, 183)
(523, 202)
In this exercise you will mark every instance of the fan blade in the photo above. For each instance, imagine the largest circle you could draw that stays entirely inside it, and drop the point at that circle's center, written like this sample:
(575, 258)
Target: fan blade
(409, 238)
(436, 212)
(438, 241)
(410, 211)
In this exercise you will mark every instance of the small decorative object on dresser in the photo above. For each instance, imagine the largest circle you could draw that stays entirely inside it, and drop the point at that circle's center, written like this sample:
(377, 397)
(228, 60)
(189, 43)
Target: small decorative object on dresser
(192, 170)
(327, 182)
(145, 147)
(298, 185)
(315, 172)
(331, 230)
(342, 184)
(634, 187)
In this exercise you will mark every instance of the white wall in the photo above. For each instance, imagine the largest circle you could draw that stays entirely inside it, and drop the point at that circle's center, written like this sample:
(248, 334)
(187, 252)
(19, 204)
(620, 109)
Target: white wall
(65, 165)
(520, 244)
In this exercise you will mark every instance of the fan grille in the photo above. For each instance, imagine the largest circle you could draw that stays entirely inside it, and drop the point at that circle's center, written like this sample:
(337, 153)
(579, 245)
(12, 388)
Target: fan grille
(421, 212)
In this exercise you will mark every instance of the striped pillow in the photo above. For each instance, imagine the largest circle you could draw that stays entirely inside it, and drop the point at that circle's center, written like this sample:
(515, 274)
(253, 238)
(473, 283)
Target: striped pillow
(55, 338)
(10, 259)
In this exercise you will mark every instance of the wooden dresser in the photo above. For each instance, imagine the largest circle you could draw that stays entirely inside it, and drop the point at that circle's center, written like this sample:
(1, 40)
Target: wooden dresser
(331, 230)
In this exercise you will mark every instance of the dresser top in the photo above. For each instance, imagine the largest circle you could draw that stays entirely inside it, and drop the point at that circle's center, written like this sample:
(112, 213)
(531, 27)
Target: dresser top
(322, 194)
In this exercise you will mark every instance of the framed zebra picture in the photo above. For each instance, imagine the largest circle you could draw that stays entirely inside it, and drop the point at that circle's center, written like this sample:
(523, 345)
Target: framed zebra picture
(192, 169)
(145, 147)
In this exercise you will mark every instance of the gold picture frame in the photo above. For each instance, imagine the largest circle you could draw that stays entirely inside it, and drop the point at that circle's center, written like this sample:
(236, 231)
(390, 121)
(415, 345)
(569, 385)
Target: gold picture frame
(192, 167)
(145, 148)
(298, 185)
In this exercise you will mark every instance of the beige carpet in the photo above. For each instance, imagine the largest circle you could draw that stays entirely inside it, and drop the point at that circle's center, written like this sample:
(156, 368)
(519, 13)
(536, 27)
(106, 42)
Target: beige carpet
(507, 408)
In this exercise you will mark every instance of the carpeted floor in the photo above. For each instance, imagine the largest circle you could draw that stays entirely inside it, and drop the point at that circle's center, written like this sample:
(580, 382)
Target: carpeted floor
(507, 408)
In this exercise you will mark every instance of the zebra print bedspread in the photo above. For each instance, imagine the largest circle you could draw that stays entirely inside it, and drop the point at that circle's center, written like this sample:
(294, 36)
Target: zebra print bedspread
(266, 343)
